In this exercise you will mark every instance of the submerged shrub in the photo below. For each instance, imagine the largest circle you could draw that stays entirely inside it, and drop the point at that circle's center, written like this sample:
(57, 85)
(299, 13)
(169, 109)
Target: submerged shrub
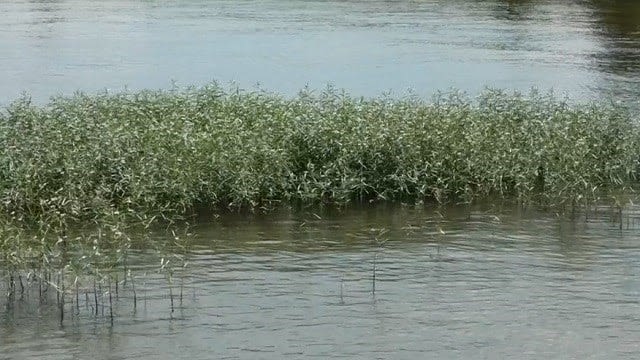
(167, 153)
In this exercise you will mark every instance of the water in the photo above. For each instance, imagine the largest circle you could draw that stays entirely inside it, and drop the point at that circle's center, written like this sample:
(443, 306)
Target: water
(586, 49)
(497, 284)
(450, 284)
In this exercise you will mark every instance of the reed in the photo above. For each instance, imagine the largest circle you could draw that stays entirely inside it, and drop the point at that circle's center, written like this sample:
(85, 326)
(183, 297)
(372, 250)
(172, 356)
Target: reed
(71, 260)
(164, 154)
(81, 174)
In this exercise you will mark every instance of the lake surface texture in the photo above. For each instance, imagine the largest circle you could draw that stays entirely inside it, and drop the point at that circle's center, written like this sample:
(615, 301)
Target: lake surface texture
(449, 283)
(586, 49)
(377, 282)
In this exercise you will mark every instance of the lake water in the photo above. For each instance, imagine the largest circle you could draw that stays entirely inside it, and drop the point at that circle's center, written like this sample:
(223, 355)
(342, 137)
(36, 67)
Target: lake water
(586, 49)
(450, 284)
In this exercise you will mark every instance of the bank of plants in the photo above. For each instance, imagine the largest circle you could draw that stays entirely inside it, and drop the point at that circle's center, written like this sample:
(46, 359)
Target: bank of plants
(149, 156)
(168, 153)
(84, 269)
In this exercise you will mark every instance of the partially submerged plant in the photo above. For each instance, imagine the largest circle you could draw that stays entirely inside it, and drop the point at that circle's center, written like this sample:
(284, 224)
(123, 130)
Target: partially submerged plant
(164, 154)
(66, 263)
(130, 160)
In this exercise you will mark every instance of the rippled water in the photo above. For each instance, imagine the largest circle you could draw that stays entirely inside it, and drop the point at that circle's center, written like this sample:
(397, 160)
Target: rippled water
(496, 284)
(584, 48)
(491, 283)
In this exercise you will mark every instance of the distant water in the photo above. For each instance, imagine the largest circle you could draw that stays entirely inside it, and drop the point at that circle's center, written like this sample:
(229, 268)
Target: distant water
(584, 49)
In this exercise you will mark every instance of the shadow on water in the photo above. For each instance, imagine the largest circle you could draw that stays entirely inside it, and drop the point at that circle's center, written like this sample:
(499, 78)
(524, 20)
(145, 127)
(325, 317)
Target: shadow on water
(45, 14)
(514, 10)
(617, 24)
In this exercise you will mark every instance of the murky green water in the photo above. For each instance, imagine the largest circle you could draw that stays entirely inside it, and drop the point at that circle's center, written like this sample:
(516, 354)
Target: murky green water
(496, 284)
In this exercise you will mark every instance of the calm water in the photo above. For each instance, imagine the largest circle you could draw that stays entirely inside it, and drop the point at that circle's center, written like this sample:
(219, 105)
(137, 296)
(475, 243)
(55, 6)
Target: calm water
(584, 48)
(449, 284)
(496, 284)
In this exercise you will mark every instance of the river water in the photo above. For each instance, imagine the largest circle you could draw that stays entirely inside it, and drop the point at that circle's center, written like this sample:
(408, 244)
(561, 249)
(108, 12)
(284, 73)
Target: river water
(585, 49)
(449, 283)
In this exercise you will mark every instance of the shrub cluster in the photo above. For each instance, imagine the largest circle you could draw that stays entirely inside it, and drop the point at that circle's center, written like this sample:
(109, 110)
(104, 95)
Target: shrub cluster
(171, 152)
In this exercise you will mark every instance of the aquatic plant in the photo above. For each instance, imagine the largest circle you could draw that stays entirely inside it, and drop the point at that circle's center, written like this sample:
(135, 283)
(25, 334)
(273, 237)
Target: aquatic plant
(81, 174)
(163, 154)
(39, 263)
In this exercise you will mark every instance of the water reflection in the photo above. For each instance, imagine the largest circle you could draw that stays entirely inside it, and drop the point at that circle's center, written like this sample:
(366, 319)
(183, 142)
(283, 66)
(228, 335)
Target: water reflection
(619, 27)
(46, 14)
(451, 282)
(621, 17)
(514, 10)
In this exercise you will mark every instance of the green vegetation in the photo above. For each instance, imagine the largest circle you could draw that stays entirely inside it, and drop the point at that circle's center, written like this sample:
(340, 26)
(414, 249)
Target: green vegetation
(113, 160)
(166, 153)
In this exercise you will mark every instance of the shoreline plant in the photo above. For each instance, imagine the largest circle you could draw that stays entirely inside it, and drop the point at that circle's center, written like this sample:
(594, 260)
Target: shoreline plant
(80, 173)
(168, 153)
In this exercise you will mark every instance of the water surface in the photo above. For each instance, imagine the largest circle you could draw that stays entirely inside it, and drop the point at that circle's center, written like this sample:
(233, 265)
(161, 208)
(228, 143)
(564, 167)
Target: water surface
(585, 49)
(496, 283)
(449, 285)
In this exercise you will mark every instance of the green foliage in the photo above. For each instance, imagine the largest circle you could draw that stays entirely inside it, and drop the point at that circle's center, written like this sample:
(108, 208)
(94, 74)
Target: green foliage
(166, 153)
(82, 174)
